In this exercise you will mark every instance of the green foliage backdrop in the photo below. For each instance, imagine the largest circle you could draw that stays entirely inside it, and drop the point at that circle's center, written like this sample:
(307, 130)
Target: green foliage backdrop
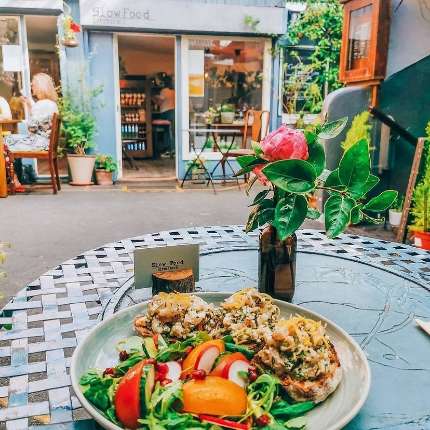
(321, 23)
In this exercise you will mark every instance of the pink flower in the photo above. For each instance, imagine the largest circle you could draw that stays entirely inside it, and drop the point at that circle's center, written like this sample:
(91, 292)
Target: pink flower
(260, 175)
(284, 144)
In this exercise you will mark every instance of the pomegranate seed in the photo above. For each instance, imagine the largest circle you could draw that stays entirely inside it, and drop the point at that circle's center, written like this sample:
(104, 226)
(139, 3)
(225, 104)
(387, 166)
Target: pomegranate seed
(253, 368)
(252, 375)
(165, 382)
(150, 361)
(198, 374)
(162, 368)
(123, 355)
(263, 420)
(109, 371)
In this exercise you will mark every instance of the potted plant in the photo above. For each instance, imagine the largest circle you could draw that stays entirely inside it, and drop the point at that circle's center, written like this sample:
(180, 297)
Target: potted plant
(79, 127)
(212, 115)
(70, 29)
(227, 113)
(296, 80)
(290, 163)
(105, 167)
(420, 211)
(395, 212)
(198, 172)
(420, 201)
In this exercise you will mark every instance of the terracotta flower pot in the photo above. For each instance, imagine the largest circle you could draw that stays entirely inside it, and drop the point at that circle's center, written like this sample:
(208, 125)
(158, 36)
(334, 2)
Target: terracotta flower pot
(422, 239)
(81, 168)
(70, 42)
(277, 265)
(103, 177)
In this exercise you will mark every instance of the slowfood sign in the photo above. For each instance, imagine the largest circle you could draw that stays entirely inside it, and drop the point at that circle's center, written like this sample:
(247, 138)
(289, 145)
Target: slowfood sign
(174, 16)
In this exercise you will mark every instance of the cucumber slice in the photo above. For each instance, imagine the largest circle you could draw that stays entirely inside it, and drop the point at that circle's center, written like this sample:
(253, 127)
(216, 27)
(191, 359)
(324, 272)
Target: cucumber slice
(147, 383)
(161, 342)
(150, 348)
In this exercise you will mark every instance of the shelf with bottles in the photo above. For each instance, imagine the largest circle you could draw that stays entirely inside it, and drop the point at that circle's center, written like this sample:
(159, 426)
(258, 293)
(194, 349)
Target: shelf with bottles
(134, 117)
(132, 131)
(132, 97)
(134, 146)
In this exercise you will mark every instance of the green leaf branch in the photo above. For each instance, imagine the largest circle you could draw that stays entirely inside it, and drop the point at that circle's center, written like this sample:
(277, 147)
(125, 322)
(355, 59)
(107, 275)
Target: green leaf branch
(285, 203)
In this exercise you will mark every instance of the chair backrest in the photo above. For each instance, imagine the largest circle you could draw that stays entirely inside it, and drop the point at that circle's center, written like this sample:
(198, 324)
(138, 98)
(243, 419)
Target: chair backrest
(256, 126)
(54, 136)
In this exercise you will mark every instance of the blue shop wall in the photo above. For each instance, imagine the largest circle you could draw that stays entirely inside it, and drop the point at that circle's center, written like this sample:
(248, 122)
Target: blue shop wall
(101, 65)
(406, 97)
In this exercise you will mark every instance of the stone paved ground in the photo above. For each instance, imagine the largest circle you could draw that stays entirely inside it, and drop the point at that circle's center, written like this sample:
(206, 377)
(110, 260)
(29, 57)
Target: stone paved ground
(45, 230)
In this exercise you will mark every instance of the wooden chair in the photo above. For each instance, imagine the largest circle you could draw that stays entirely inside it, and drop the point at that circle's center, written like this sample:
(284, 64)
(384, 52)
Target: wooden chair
(256, 126)
(51, 155)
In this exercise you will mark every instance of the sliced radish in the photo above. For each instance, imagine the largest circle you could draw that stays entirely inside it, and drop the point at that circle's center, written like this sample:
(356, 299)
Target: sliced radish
(174, 371)
(234, 369)
(207, 358)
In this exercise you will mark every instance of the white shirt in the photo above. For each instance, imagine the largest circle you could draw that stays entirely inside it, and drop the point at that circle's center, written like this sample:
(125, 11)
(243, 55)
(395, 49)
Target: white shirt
(5, 112)
(42, 109)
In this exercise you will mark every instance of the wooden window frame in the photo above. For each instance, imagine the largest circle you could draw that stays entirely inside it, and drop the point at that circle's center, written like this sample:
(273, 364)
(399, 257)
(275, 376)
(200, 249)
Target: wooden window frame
(375, 69)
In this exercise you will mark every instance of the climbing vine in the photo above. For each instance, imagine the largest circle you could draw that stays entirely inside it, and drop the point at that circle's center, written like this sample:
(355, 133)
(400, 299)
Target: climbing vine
(321, 23)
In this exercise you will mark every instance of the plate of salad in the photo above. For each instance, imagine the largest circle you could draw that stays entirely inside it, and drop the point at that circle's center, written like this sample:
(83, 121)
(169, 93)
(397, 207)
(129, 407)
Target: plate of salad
(214, 361)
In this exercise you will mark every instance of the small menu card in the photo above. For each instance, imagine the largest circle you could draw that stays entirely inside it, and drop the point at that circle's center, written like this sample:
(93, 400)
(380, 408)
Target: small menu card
(150, 260)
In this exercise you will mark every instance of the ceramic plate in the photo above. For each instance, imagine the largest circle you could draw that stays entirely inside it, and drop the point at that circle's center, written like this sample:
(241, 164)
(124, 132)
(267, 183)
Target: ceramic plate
(97, 350)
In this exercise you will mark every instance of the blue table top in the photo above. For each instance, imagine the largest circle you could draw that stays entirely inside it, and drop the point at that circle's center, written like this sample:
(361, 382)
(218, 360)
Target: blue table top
(373, 289)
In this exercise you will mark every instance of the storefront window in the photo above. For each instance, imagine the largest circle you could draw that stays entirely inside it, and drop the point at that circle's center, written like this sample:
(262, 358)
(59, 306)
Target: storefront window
(11, 63)
(41, 41)
(225, 79)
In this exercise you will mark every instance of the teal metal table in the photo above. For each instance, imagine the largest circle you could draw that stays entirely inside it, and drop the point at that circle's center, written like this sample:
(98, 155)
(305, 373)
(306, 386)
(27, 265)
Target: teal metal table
(373, 289)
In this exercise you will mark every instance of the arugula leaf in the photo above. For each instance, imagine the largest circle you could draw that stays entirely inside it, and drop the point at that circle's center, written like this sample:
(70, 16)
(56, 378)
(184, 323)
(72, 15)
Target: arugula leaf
(176, 350)
(282, 408)
(232, 347)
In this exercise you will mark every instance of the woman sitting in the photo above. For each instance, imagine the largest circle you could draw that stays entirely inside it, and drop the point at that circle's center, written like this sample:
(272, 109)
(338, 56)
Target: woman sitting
(40, 113)
(39, 123)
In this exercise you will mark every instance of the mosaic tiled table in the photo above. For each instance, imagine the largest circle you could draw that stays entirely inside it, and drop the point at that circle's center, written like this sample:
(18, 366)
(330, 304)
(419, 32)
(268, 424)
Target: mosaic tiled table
(372, 288)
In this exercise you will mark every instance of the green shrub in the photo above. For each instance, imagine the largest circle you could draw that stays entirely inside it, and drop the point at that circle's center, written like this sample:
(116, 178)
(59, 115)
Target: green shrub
(422, 192)
(360, 129)
(77, 119)
(321, 23)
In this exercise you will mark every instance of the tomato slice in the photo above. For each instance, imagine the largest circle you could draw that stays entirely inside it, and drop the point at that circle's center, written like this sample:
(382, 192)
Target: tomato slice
(226, 361)
(127, 397)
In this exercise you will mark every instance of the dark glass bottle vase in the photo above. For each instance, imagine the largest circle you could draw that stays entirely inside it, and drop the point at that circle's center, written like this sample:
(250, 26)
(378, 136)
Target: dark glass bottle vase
(277, 265)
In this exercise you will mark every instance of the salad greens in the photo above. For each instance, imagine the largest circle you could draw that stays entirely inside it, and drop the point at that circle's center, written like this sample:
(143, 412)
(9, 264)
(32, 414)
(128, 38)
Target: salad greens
(177, 350)
(267, 405)
(265, 398)
(233, 347)
(163, 411)
(100, 391)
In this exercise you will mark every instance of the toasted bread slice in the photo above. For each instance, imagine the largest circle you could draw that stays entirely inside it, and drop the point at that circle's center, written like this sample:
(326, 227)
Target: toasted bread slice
(316, 390)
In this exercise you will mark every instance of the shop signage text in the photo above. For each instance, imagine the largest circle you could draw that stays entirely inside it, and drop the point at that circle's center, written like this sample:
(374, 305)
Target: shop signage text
(116, 16)
(178, 16)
